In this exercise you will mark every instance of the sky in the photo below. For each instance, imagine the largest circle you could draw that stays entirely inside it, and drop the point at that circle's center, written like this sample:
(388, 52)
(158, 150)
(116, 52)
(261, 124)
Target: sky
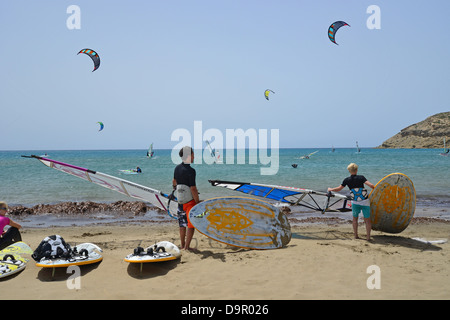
(167, 64)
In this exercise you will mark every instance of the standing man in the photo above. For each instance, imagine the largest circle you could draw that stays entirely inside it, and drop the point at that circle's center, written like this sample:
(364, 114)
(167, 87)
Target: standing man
(187, 194)
(360, 198)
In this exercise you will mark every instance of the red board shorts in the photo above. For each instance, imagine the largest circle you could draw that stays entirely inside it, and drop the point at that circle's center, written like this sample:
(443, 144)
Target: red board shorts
(187, 208)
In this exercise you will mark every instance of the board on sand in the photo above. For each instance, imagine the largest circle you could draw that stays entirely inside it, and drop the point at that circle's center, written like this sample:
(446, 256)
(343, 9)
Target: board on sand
(85, 253)
(392, 203)
(161, 251)
(16, 248)
(242, 222)
(11, 261)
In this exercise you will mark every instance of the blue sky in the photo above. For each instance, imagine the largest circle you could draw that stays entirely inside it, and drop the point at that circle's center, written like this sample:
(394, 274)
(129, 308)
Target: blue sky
(166, 64)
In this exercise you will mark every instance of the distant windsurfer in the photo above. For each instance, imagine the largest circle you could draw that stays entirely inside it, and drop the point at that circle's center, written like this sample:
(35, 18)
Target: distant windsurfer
(12, 235)
(187, 194)
(360, 200)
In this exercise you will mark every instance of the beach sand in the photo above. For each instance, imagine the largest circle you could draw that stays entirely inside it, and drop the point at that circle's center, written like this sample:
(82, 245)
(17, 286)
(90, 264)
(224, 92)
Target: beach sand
(322, 261)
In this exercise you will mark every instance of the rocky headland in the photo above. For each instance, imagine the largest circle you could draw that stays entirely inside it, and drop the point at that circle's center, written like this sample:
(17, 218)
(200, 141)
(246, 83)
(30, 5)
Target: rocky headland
(429, 133)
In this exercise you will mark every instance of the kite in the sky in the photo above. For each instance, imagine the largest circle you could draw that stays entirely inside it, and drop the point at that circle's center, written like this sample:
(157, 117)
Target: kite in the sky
(334, 28)
(101, 126)
(94, 56)
(266, 93)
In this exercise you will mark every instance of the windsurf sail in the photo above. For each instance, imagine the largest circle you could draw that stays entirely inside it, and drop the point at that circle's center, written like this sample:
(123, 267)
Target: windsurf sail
(307, 156)
(128, 188)
(314, 200)
(446, 150)
(212, 152)
(150, 151)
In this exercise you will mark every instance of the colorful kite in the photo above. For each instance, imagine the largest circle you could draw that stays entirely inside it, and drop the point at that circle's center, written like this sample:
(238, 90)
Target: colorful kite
(101, 126)
(266, 93)
(94, 56)
(334, 28)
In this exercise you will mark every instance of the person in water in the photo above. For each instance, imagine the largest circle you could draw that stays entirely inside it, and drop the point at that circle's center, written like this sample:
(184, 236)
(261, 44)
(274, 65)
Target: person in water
(11, 235)
(138, 170)
(187, 194)
(360, 200)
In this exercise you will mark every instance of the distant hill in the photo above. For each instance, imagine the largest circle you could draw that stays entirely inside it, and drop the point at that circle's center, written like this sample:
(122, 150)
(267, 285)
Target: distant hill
(428, 133)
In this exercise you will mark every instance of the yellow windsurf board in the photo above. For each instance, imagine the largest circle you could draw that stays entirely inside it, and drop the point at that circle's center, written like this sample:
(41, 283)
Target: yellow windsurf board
(392, 203)
(242, 222)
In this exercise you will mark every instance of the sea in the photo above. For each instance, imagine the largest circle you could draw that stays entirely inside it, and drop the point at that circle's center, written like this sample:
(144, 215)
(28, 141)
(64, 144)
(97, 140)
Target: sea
(28, 182)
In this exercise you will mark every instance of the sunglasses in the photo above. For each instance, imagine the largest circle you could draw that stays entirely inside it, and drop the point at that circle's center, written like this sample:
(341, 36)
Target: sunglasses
(3, 208)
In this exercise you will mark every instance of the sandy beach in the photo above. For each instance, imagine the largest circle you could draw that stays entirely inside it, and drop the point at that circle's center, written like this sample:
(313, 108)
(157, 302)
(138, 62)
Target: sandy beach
(322, 261)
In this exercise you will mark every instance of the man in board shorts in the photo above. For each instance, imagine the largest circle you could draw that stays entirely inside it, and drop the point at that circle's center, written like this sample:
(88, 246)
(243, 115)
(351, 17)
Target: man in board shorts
(360, 197)
(187, 194)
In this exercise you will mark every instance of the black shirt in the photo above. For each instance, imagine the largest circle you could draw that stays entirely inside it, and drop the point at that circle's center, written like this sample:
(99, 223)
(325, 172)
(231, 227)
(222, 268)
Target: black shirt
(354, 181)
(184, 174)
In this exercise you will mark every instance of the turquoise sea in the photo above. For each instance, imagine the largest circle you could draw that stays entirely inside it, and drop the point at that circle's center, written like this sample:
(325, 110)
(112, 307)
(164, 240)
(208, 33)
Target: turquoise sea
(28, 182)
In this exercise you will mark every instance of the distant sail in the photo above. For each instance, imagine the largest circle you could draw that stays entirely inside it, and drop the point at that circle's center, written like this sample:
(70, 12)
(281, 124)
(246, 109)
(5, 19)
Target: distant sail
(266, 93)
(334, 28)
(307, 156)
(150, 151)
(212, 152)
(446, 150)
(94, 56)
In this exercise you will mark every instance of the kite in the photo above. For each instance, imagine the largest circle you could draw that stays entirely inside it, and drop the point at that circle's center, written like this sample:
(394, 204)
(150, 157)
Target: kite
(94, 56)
(266, 93)
(334, 28)
(101, 126)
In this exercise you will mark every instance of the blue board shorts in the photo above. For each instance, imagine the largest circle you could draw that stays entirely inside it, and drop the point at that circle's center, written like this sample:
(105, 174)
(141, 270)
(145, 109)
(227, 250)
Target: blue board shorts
(356, 209)
(182, 219)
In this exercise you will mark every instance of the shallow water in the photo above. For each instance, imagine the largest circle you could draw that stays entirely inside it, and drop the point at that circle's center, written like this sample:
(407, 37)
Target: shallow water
(28, 182)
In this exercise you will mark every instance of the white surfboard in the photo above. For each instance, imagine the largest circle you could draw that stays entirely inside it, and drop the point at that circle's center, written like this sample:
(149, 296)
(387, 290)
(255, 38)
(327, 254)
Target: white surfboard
(161, 251)
(87, 253)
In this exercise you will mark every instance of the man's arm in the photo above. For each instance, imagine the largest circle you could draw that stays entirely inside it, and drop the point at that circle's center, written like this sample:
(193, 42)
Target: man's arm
(337, 189)
(194, 192)
(369, 184)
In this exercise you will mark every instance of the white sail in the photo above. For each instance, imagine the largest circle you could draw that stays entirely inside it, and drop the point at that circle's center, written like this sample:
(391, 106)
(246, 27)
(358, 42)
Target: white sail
(125, 187)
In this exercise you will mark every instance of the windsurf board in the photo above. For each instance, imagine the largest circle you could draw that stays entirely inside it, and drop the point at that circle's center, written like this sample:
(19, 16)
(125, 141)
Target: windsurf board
(161, 251)
(86, 253)
(392, 203)
(11, 261)
(16, 248)
(242, 222)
